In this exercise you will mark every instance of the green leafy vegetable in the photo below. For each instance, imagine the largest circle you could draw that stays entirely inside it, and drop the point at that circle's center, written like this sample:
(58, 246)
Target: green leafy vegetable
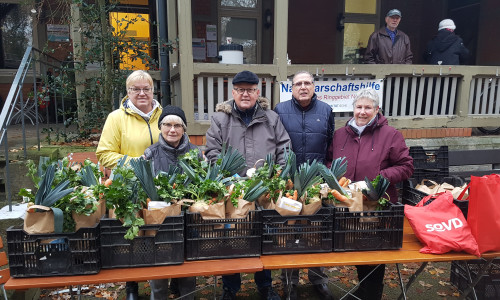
(88, 177)
(48, 196)
(143, 170)
(250, 189)
(339, 167)
(331, 179)
(291, 163)
(210, 188)
(230, 160)
(307, 175)
(170, 184)
(271, 176)
(376, 189)
(122, 195)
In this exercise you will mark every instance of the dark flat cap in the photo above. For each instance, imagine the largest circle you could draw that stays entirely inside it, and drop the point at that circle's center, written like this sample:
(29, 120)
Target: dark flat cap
(172, 110)
(246, 77)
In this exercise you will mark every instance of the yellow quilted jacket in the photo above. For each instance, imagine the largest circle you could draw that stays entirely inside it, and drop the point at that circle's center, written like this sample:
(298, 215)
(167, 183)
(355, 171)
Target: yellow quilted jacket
(126, 133)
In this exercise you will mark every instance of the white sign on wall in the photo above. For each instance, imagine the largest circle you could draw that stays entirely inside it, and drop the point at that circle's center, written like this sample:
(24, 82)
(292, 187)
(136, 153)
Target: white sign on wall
(338, 94)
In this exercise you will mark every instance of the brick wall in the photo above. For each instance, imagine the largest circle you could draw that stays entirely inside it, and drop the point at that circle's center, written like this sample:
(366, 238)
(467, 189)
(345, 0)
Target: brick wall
(435, 133)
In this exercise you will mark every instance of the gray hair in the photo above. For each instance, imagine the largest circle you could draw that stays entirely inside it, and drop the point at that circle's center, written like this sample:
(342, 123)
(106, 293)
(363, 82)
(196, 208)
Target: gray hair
(368, 93)
(302, 72)
(174, 118)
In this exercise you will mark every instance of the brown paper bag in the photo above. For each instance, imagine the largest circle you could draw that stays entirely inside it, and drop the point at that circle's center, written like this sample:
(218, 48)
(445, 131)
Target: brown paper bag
(428, 186)
(266, 202)
(313, 206)
(39, 222)
(89, 221)
(157, 216)
(357, 201)
(112, 215)
(210, 212)
(244, 207)
(284, 212)
(458, 190)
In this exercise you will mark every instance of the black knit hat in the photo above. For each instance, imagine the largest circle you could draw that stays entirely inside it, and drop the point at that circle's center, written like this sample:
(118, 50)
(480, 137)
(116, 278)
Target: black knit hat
(172, 110)
(246, 77)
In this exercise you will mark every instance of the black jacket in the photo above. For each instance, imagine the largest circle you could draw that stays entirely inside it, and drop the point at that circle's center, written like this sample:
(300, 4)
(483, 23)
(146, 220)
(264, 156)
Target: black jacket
(163, 155)
(446, 47)
(310, 129)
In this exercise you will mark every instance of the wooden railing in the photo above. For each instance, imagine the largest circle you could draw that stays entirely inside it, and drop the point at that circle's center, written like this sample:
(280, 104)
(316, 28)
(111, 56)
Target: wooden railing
(432, 97)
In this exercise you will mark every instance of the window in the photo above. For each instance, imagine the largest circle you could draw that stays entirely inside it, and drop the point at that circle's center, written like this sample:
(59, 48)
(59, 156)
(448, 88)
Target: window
(360, 22)
(132, 27)
(16, 33)
(240, 20)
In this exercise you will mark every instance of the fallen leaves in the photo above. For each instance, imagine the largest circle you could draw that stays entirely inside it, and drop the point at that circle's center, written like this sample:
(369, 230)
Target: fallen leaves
(444, 283)
(426, 285)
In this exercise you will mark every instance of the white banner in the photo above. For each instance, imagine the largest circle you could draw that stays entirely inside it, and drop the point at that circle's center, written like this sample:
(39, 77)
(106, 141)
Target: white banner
(338, 94)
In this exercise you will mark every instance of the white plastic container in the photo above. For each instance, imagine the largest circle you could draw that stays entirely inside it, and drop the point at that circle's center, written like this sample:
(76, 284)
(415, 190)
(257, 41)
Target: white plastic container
(231, 54)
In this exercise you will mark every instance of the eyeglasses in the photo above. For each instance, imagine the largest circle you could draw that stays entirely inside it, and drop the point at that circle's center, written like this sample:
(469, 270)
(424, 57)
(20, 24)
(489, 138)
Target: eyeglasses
(138, 90)
(169, 126)
(242, 91)
(303, 83)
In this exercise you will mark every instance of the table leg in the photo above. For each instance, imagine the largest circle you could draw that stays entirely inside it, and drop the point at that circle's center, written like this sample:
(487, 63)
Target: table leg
(215, 287)
(287, 287)
(473, 283)
(401, 284)
(349, 293)
(410, 280)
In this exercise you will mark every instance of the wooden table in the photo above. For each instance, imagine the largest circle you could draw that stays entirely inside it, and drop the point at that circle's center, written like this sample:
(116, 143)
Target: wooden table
(408, 253)
(187, 269)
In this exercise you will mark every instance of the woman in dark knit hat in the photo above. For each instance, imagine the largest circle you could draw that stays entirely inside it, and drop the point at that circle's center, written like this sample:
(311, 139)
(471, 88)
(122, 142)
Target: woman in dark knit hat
(172, 143)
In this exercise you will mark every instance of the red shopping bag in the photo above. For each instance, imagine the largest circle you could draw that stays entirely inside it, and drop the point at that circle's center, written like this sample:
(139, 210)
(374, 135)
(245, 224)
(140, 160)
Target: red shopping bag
(440, 225)
(484, 211)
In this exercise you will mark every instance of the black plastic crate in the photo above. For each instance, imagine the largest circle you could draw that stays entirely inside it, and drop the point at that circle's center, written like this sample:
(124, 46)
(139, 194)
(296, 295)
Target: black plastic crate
(368, 230)
(297, 234)
(412, 196)
(223, 238)
(166, 247)
(430, 163)
(53, 254)
(488, 286)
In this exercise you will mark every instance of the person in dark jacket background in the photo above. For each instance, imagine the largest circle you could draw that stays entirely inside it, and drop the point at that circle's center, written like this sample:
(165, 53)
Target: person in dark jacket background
(446, 48)
(310, 124)
(389, 45)
(372, 147)
(172, 143)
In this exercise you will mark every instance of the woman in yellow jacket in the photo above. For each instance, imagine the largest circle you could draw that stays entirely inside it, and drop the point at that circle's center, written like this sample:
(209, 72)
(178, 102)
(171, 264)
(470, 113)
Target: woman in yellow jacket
(131, 129)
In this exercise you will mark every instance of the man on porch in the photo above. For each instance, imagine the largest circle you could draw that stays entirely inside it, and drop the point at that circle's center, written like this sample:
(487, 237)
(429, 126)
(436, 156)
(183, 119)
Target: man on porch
(389, 45)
